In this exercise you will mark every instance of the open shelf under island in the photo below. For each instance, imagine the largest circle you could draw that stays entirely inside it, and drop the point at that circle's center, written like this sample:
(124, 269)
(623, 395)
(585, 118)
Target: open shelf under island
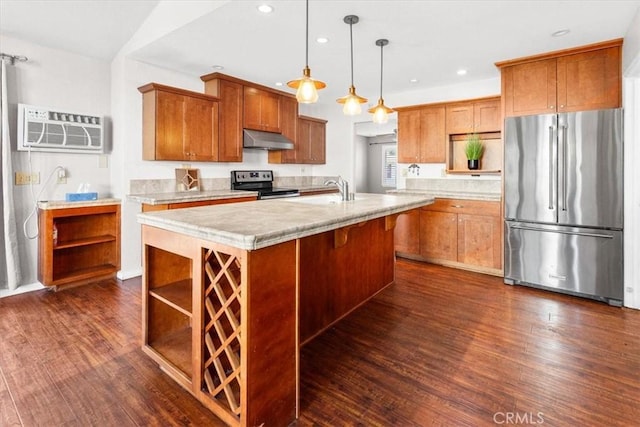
(231, 292)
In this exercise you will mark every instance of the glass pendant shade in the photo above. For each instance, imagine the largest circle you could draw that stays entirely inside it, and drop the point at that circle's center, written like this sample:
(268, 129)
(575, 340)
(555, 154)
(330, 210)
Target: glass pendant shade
(381, 112)
(352, 101)
(306, 87)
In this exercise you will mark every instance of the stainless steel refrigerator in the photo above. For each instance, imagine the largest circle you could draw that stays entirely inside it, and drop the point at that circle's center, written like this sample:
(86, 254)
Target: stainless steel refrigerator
(563, 203)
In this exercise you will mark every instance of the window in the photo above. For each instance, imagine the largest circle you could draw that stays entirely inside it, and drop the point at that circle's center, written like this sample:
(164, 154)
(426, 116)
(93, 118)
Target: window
(389, 166)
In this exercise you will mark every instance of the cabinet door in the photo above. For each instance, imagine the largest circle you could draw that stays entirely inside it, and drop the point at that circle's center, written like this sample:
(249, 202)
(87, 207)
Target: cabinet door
(487, 116)
(169, 112)
(406, 236)
(289, 121)
(230, 125)
(303, 146)
(459, 118)
(433, 135)
(589, 81)
(439, 235)
(261, 110)
(479, 240)
(201, 129)
(530, 88)
(317, 142)
(409, 134)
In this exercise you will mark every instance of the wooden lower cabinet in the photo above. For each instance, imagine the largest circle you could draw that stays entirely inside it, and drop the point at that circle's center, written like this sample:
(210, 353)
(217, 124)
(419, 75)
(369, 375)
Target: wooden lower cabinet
(459, 233)
(406, 237)
(78, 245)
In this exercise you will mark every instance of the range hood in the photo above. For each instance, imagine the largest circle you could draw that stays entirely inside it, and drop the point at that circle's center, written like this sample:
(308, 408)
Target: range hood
(266, 140)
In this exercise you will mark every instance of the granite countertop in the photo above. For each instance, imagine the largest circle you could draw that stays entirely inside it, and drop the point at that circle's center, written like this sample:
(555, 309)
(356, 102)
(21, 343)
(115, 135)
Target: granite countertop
(192, 196)
(258, 224)
(187, 196)
(63, 204)
(491, 197)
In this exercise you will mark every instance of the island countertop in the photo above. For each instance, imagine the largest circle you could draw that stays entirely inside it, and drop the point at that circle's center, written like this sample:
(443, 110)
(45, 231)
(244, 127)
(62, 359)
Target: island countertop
(262, 223)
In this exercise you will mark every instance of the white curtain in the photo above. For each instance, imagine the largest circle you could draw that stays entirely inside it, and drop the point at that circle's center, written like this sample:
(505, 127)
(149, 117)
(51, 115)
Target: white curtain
(9, 263)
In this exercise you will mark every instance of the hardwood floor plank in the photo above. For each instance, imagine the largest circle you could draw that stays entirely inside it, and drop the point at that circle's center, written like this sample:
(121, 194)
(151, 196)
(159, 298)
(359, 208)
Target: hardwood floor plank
(439, 347)
(8, 413)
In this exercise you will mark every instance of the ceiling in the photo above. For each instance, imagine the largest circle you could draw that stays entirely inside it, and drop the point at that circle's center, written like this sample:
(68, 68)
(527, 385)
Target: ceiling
(429, 40)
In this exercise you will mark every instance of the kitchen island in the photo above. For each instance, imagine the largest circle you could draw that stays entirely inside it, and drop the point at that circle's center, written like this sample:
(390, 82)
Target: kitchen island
(231, 292)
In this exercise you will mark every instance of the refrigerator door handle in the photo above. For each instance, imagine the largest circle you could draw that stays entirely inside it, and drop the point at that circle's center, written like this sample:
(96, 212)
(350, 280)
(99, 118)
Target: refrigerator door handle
(552, 169)
(563, 141)
(571, 233)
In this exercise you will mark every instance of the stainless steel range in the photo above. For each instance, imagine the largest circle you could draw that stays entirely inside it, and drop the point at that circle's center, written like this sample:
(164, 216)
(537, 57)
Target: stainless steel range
(262, 182)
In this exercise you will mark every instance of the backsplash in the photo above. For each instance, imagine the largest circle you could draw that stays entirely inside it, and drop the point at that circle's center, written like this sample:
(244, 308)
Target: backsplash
(152, 186)
(455, 185)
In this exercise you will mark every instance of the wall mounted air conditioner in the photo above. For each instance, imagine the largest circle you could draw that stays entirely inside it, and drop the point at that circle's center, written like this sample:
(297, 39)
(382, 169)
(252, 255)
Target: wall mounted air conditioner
(47, 129)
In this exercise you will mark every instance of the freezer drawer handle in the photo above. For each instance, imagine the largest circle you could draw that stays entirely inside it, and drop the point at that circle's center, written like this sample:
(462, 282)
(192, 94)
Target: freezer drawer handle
(573, 233)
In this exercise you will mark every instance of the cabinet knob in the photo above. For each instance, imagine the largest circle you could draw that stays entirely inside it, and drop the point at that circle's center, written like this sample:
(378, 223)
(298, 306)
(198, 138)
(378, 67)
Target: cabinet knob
(551, 107)
(562, 106)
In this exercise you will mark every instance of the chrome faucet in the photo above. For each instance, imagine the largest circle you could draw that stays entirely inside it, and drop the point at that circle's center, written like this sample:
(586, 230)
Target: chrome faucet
(343, 187)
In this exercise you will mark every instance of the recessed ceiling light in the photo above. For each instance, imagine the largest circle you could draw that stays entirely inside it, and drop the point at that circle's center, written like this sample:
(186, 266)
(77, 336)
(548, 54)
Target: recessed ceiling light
(265, 8)
(322, 40)
(560, 33)
(414, 81)
(278, 83)
(461, 72)
(217, 67)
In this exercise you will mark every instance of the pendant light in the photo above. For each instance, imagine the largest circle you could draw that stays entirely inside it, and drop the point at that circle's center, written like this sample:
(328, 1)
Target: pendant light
(381, 112)
(351, 101)
(307, 88)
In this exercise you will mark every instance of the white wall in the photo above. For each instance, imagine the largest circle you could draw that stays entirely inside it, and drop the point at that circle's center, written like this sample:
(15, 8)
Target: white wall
(631, 103)
(53, 78)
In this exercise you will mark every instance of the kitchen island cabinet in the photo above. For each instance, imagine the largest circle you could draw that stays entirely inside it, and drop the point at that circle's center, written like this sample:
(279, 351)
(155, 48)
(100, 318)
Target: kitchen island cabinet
(231, 292)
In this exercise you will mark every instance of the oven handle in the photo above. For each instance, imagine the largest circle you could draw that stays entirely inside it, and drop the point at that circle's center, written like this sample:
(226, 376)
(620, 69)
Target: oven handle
(279, 196)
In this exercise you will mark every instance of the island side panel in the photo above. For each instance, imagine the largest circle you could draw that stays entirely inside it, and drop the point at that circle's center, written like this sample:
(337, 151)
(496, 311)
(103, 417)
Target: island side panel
(272, 342)
(337, 278)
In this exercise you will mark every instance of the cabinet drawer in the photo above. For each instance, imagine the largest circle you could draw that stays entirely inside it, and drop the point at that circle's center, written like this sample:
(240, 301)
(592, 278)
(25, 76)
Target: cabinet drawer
(463, 206)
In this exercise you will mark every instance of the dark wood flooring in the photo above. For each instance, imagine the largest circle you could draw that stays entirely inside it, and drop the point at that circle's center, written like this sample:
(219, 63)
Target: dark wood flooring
(439, 347)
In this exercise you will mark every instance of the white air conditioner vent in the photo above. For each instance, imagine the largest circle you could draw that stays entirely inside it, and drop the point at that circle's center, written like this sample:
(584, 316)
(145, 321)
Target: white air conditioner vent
(47, 129)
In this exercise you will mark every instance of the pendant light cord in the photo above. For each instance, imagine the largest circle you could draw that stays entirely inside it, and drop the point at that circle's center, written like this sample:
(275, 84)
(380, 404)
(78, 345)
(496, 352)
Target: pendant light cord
(351, 38)
(381, 67)
(306, 55)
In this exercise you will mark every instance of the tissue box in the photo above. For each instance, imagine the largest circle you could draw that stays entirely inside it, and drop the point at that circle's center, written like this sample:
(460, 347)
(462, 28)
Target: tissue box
(77, 197)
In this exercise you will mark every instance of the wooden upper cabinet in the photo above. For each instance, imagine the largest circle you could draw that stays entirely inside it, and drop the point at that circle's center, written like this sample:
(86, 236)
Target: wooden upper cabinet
(261, 110)
(589, 81)
(473, 116)
(584, 78)
(178, 124)
(409, 138)
(421, 135)
(231, 96)
(200, 129)
(311, 140)
(530, 88)
(289, 126)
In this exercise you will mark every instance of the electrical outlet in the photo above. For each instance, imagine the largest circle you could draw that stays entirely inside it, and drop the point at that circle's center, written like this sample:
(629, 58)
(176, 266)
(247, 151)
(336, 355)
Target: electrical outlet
(62, 176)
(24, 178)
